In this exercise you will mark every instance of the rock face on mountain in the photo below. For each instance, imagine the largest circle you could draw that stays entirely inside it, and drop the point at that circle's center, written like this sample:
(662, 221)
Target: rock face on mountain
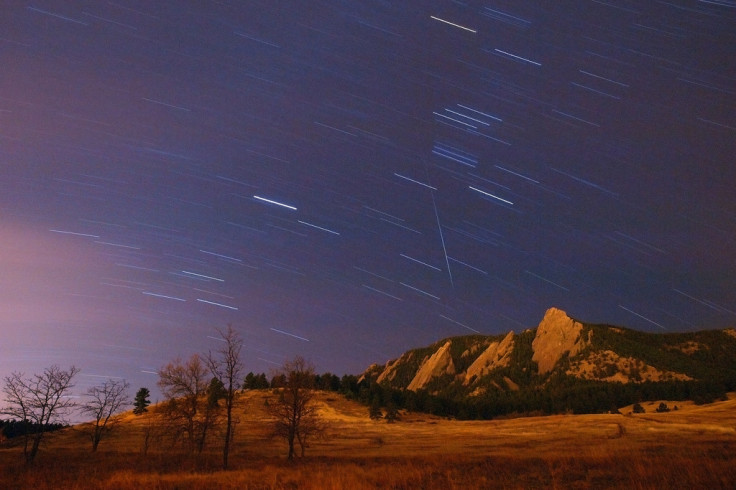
(498, 354)
(389, 372)
(557, 334)
(560, 355)
(608, 366)
(437, 364)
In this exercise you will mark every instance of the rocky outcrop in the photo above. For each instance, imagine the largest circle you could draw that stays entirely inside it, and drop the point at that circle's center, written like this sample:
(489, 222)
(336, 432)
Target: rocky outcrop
(389, 372)
(557, 334)
(470, 366)
(608, 366)
(435, 365)
(498, 354)
(689, 348)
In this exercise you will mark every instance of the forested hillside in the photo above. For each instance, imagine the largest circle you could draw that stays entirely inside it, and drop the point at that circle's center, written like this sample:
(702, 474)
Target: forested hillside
(563, 365)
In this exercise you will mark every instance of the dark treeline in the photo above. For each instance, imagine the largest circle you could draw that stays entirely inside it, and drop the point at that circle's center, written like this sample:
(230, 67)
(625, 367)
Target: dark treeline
(567, 395)
(15, 428)
(561, 394)
(326, 382)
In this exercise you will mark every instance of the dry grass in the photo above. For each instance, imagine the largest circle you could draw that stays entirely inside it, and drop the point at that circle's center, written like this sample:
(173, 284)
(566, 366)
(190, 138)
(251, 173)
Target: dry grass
(694, 447)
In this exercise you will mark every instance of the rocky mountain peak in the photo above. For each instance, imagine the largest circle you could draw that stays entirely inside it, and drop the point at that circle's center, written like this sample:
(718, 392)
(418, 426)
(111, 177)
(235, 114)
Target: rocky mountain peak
(557, 334)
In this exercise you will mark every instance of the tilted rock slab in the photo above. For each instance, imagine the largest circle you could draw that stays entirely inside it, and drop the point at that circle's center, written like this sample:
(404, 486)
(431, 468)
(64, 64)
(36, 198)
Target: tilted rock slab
(498, 354)
(557, 334)
(437, 364)
(389, 372)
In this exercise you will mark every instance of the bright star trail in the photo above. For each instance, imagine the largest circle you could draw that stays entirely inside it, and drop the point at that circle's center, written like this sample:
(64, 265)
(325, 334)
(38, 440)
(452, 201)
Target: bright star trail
(346, 180)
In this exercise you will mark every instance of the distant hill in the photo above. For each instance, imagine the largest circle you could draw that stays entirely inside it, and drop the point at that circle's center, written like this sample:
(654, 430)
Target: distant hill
(561, 365)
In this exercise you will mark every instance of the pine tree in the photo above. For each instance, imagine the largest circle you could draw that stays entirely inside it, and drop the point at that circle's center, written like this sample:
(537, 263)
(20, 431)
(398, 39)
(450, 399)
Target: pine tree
(374, 411)
(141, 402)
(215, 392)
(392, 413)
(250, 381)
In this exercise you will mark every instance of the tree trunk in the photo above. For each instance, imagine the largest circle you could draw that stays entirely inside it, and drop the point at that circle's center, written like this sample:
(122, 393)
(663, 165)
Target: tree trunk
(34, 448)
(26, 440)
(96, 440)
(291, 445)
(228, 430)
(146, 440)
(225, 451)
(201, 439)
(302, 444)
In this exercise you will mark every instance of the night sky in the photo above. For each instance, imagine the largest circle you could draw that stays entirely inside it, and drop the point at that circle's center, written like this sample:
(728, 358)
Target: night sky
(346, 180)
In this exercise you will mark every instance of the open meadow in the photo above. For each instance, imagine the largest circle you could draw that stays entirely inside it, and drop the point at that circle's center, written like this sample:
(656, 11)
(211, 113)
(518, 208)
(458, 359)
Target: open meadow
(692, 447)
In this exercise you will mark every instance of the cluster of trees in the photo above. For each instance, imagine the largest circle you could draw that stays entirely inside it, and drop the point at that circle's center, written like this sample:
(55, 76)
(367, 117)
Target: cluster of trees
(256, 382)
(662, 408)
(561, 394)
(40, 404)
(375, 411)
(15, 428)
(199, 400)
(200, 394)
(38, 401)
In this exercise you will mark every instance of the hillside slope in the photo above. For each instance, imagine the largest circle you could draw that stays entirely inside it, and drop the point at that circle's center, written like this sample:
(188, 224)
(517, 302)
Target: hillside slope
(692, 447)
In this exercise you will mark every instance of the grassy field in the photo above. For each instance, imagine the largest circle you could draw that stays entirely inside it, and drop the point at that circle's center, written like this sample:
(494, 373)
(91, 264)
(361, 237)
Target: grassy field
(693, 447)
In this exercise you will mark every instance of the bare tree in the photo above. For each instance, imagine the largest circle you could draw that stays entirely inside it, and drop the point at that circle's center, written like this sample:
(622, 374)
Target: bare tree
(153, 430)
(226, 365)
(39, 400)
(104, 402)
(294, 412)
(310, 427)
(187, 408)
(148, 435)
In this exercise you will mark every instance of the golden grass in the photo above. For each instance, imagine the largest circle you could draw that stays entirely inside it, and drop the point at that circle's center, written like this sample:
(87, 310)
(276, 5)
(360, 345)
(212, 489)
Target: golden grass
(694, 447)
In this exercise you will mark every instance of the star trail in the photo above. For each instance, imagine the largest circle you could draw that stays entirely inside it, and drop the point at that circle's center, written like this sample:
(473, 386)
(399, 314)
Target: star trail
(345, 180)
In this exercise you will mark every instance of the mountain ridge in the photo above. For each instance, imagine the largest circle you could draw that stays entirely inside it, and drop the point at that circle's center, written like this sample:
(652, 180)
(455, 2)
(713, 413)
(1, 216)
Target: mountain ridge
(562, 356)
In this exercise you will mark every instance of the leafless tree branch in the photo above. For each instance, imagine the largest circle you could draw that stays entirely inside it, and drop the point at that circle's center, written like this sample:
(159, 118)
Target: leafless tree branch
(103, 402)
(226, 365)
(39, 400)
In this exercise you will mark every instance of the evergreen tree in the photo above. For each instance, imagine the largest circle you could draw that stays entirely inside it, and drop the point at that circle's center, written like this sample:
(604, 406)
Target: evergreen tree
(392, 413)
(255, 381)
(250, 381)
(374, 411)
(215, 392)
(141, 402)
